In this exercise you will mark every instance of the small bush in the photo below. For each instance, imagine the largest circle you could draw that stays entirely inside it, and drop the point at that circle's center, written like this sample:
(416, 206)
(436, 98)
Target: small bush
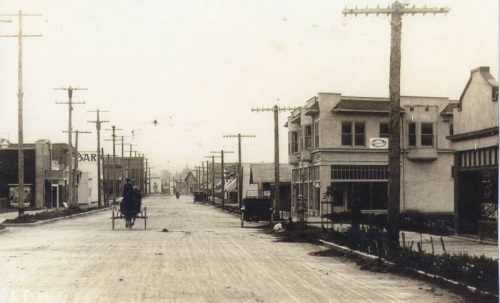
(438, 224)
(47, 215)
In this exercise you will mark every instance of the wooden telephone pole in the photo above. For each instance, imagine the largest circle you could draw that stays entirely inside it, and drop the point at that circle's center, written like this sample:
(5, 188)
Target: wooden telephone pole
(113, 135)
(73, 178)
(239, 175)
(213, 175)
(98, 123)
(70, 132)
(222, 171)
(397, 10)
(20, 148)
(275, 109)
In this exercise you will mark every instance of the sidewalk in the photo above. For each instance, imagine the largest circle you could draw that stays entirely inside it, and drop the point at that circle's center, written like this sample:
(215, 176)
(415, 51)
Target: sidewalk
(452, 244)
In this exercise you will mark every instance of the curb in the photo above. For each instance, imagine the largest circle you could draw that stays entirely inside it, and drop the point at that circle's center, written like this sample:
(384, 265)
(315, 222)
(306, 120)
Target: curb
(34, 224)
(419, 272)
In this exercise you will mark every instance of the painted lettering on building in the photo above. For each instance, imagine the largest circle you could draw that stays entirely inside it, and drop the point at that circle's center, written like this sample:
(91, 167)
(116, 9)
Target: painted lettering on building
(87, 157)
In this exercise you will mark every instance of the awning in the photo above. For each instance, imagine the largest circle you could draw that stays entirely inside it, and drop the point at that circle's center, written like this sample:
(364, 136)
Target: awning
(231, 185)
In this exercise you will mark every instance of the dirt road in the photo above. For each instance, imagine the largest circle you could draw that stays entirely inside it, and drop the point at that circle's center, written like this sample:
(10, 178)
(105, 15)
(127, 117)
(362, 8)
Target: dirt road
(205, 257)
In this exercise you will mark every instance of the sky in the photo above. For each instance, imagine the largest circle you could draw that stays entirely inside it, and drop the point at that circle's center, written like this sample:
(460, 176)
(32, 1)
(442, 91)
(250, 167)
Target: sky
(199, 67)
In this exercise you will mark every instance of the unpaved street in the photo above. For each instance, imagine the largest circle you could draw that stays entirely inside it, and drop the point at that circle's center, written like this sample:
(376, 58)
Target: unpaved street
(205, 257)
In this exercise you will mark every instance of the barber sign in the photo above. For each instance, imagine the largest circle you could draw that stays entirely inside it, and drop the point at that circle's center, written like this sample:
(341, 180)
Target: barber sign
(379, 143)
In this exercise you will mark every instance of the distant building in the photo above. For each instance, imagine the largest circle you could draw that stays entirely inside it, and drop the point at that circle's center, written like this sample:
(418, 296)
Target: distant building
(263, 175)
(45, 173)
(475, 141)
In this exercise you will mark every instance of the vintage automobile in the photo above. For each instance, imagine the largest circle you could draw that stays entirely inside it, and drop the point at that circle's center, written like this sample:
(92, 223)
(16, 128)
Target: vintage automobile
(255, 209)
(199, 196)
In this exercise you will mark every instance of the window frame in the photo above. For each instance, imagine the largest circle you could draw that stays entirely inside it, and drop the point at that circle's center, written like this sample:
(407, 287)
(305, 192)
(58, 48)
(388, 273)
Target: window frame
(307, 136)
(380, 133)
(351, 137)
(294, 138)
(412, 137)
(425, 137)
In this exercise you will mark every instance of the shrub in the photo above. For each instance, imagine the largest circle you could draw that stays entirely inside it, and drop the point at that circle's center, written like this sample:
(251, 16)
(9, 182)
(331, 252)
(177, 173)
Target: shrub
(439, 224)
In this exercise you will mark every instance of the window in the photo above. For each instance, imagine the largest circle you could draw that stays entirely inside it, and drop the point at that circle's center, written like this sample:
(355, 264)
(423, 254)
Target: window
(384, 130)
(294, 138)
(412, 134)
(316, 134)
(347, 133)
(358, 136)
(307, 136)
(426, 134)
(451, 128)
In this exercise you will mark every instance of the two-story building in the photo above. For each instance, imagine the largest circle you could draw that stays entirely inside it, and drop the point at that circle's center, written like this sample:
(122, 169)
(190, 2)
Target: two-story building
(342, 142)
(475, 141)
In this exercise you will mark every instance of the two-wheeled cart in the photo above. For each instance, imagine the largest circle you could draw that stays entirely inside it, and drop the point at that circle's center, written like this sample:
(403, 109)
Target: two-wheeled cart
(116, 214)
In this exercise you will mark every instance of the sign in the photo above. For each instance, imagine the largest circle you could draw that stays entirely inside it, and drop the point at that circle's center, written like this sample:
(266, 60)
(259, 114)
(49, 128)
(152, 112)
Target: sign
(14, 195)
(87, 157)
(379, 143)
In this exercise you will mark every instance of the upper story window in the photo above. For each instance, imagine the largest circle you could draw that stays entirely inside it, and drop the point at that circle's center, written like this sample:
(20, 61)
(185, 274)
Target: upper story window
(294, 140)
(426, 134)
(307, 137)
(383, 130)
(316, 134)
(353, 132)
(412, 134)
(451, 128)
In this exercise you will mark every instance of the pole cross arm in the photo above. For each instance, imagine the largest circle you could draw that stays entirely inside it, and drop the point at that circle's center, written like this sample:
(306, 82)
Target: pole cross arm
(388, 11)
(270, 109)
(239, 136)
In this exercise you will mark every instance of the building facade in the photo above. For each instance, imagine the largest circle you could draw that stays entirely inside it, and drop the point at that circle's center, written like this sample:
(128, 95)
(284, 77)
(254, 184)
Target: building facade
(475, 141)
(342, 142)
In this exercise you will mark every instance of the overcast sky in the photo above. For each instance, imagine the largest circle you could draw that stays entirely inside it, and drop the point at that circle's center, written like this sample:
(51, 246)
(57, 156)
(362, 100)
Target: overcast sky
(198, 67)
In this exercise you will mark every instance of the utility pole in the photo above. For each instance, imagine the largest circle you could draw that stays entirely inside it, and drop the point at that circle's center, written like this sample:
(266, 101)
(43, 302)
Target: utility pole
(213, 175)
(149, 179)
(122, 161)
(20, 93)
(239, 175)
(198, 181)
(222, 172)
(75, 170)
(98, 123)
(207, 178)
(129, 168)
(146, 178)
(276, 109)
(397, 10)
(70, 132)
(113, 135)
